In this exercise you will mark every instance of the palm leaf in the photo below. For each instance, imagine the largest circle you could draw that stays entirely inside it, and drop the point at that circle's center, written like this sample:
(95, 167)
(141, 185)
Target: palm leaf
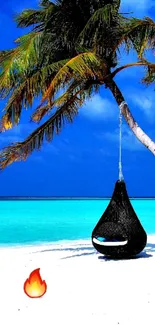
(84, 65)
(35, 18)
(101, 31)
(21, 150)
(101, 16)
(149, 77)
(8, 68)
(26, 92)
(15, 63)
(76, 85)
(65, 113)
(29, 47)
(29, 17)
(138, 34)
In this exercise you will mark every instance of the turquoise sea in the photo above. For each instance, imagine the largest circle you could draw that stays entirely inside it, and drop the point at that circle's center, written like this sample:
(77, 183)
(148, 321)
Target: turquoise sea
(41, 221)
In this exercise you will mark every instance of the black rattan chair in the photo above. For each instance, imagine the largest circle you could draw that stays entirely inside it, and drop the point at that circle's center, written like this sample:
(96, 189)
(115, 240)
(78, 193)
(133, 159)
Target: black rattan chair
(119, 233)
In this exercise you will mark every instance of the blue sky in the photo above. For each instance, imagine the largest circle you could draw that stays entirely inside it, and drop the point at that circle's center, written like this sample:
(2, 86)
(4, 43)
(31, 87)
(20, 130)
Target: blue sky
(83, 159)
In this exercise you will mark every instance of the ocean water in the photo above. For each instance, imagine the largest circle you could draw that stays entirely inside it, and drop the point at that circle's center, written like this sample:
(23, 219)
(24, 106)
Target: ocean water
(32, 222)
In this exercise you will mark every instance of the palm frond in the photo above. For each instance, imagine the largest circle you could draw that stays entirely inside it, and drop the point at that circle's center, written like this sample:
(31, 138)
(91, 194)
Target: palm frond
(84, 65)
(76, 85)
(8, 69)
(149, 77)
(65, 113)
(21, 150)
(29, 17)
(14, 64)
(129, 65)
(138, 34)
(33, 17)
(24, 94)
(100, 16)
(101, 30)
(29, 48)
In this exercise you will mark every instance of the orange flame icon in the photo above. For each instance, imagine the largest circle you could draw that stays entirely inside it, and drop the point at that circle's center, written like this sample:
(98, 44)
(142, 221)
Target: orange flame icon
(34, 286)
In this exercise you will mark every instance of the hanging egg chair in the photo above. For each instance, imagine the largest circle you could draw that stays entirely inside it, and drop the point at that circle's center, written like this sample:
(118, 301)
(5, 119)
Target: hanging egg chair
(119, 233)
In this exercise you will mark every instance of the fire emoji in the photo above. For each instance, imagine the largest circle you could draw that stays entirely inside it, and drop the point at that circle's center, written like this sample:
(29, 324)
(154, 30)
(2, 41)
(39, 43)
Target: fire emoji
(34, 286)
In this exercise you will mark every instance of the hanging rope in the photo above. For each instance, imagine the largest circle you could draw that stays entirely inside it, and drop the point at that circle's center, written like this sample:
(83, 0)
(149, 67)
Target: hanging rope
(120, 143)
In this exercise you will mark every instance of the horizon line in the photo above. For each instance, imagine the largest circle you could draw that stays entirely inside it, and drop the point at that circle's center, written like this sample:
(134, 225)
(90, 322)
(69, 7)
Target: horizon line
(3, 198)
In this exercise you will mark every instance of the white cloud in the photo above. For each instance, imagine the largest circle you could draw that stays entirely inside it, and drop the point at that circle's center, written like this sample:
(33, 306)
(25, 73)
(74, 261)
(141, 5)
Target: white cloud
(140, 7)
(145, 101)
(50, 148)
(99, 108)
(17, 134)
(38, 159)
(9, 139)
(129, 141)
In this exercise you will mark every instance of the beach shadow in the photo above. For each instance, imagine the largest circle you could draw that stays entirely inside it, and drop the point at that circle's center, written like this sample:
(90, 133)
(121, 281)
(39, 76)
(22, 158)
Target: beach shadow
(76, 249)
(150, 248)
(143, 254)
(146, 253)
(79, 255)
(90, 250)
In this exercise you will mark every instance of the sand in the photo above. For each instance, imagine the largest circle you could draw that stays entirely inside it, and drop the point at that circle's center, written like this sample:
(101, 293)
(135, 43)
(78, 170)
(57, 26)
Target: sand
(82, 286)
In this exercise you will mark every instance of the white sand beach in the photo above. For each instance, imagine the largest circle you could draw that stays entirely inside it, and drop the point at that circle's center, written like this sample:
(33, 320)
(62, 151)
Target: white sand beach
(82, 286)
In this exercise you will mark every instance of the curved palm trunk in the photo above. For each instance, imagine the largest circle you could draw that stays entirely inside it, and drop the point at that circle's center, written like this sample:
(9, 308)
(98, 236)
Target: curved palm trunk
(139, 133)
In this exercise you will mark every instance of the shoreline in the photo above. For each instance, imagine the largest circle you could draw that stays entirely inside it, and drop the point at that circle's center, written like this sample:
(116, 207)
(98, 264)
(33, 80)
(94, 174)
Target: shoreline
(46, 244)
(65, 242)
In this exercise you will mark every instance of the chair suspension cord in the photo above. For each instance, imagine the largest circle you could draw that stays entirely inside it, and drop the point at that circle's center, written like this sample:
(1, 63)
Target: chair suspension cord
(120, 143)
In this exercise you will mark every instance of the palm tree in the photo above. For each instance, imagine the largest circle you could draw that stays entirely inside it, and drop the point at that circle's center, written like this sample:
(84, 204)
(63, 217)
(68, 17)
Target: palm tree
(73, 47)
